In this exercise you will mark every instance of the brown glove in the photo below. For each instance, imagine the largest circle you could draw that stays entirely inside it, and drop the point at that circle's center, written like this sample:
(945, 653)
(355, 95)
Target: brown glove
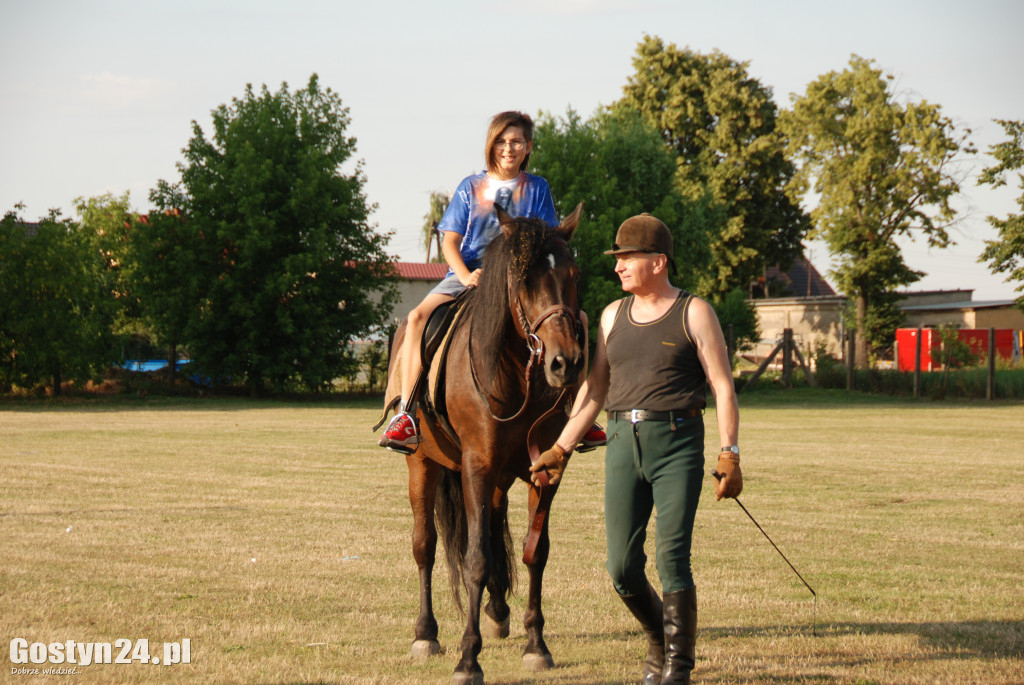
(730, 479)
(554, 460)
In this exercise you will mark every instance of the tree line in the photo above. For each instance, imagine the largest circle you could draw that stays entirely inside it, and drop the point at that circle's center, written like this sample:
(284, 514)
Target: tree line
(262, 264)
(698, 141)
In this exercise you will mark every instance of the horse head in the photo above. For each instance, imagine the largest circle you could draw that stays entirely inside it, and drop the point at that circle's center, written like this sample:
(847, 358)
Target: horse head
(543, 294)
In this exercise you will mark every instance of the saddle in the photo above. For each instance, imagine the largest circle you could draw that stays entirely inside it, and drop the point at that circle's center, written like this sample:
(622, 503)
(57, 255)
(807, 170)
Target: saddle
(430, 388)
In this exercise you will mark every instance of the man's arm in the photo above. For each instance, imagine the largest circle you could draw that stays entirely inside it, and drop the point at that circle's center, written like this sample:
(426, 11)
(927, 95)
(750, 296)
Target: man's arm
(714, 357)
(588, 404)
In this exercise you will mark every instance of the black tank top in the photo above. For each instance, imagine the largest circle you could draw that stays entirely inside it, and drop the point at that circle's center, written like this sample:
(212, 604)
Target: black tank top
(654, 365)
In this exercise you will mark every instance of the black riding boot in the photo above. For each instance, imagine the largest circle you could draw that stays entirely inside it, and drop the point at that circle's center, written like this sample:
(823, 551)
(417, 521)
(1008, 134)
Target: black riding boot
(680, 636)
(648, 610)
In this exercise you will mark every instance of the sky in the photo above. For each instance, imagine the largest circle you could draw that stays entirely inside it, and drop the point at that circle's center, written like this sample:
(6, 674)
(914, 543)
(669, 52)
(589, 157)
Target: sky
(100, 97)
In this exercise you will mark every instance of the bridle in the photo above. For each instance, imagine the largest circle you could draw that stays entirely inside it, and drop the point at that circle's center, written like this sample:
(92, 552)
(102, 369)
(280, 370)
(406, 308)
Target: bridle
(527, 330)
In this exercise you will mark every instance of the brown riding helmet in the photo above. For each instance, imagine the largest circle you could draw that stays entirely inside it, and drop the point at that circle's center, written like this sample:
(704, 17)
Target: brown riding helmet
(643, 233)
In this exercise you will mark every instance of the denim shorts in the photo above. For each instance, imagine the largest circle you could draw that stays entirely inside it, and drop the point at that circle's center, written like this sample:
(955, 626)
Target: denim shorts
(451, 286)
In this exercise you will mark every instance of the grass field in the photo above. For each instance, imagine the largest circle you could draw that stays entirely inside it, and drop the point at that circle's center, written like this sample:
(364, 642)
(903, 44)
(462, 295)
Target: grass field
(275, 537)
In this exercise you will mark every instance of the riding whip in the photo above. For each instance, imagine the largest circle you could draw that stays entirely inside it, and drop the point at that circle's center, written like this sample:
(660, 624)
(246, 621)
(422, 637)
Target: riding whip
(814, 631)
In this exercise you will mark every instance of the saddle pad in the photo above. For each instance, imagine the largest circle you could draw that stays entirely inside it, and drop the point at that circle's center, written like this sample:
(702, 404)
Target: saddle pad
(434, 393)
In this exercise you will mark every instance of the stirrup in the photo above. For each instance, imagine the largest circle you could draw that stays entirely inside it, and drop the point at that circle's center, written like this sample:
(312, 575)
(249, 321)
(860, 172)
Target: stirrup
(402, 447)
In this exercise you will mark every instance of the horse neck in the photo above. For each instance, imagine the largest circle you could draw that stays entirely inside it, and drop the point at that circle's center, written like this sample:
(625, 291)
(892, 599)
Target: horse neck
(506, 377)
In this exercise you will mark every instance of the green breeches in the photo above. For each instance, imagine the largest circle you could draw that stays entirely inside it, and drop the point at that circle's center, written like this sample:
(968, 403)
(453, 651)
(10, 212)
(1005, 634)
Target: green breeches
(651, 467)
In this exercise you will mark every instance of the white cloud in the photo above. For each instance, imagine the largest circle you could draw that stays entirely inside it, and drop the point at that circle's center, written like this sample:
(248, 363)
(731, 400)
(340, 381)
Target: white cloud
(119, 89)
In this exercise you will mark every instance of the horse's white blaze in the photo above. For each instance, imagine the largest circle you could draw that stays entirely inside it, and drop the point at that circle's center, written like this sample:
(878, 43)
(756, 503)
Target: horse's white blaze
(551, 259)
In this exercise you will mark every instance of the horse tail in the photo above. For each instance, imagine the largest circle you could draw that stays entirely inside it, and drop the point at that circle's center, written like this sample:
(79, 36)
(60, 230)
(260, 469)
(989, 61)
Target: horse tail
(450, 514)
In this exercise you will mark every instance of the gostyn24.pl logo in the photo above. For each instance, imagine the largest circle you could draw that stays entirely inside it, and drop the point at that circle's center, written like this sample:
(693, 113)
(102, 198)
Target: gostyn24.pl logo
(75, 653)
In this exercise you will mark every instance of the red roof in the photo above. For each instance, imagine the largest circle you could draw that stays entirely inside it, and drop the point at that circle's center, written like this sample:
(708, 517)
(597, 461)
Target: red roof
(414, 271)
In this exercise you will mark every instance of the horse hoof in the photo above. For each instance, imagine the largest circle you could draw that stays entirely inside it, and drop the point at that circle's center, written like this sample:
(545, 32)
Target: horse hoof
(491, 628)
(468, 678)
(538, 662)
(424, 649)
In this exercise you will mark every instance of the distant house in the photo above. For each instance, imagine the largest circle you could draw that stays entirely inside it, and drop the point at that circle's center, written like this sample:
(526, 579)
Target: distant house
(415, 281)
(812, 309)
(933, 308)
(801, 300)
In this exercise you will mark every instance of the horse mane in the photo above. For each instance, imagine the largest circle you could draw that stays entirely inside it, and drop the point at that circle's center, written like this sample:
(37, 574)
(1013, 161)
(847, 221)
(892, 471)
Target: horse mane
(505, 265)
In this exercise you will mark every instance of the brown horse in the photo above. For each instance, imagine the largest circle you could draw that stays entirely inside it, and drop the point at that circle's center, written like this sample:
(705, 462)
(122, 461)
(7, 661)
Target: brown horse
(524, 313)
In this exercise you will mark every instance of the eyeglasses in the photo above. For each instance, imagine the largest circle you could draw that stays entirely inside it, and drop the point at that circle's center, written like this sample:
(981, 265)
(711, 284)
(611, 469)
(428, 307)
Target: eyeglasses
(516, 145)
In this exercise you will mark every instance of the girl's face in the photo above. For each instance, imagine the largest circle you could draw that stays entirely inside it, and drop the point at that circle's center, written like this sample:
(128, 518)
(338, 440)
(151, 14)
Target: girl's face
(509, 151)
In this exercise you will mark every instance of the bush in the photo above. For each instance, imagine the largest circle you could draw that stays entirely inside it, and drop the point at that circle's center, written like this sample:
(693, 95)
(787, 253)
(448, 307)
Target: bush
(969, 382)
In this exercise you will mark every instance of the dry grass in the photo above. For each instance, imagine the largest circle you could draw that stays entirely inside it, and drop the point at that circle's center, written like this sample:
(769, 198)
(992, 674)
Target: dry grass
(276, 538)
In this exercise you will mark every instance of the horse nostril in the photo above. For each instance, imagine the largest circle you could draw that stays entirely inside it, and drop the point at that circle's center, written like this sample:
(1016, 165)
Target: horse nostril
(558, 363)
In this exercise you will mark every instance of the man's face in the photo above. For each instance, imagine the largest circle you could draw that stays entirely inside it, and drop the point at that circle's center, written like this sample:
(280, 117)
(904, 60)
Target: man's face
(635, 269)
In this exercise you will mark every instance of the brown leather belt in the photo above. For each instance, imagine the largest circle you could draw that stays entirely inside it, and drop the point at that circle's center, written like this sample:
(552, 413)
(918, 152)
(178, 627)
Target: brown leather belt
(638, 415)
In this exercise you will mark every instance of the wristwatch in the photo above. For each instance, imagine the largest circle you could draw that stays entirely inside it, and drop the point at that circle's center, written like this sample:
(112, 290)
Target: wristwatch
(735, 449)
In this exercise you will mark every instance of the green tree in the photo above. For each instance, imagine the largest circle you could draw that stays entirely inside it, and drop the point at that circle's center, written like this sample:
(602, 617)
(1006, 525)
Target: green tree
(617, 166)
(735, 309)
(105, 220)
(161, 271)
(880, 170)
(1006, 255)
(721, 124)
(288, 269)
(438, 203)
(56, 310)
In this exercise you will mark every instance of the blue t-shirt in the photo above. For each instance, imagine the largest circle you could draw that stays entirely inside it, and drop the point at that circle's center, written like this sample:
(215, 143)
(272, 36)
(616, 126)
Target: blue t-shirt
(471, 211)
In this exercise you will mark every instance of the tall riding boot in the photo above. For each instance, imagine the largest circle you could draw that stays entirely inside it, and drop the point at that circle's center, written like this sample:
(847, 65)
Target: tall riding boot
(680, 636)
(646, 606)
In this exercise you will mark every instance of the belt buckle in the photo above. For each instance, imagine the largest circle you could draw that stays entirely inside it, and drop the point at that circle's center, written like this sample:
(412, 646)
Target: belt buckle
(634, 415)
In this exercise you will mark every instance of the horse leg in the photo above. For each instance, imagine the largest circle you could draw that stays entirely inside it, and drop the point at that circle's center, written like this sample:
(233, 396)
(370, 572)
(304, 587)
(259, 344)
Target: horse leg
(423, 475)
(476, 486)
(536, 656)
(495, 621)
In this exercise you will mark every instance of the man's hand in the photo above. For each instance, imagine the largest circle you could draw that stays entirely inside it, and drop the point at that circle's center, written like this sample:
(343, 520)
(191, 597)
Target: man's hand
(729, 476)
(554, 461)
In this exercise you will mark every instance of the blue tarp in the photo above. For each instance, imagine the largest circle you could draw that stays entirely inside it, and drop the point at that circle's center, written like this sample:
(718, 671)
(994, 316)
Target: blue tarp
(146, 365)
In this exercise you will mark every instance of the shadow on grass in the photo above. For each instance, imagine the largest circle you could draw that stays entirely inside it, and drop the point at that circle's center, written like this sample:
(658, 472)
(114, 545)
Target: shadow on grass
(962, 639)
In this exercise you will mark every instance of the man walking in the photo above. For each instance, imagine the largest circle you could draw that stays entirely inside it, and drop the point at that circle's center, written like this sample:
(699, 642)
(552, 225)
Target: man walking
(657, 350)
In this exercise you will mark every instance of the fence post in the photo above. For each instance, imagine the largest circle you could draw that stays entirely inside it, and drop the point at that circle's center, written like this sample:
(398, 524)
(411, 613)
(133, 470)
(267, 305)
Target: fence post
(917, 364)
(990, 390)
(787, 356)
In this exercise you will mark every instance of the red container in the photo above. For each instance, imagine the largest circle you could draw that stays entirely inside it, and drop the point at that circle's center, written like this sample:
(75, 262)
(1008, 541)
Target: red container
(931, 344)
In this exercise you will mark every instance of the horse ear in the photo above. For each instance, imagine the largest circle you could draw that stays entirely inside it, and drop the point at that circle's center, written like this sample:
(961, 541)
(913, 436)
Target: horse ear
(569, 223)
(507, 223)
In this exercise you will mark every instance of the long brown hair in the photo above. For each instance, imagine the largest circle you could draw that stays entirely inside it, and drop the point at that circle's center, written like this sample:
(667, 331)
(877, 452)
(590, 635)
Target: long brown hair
(498, 125)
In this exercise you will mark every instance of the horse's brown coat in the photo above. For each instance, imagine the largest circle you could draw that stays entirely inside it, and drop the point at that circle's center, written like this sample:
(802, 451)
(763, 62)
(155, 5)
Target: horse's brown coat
(531, 264)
